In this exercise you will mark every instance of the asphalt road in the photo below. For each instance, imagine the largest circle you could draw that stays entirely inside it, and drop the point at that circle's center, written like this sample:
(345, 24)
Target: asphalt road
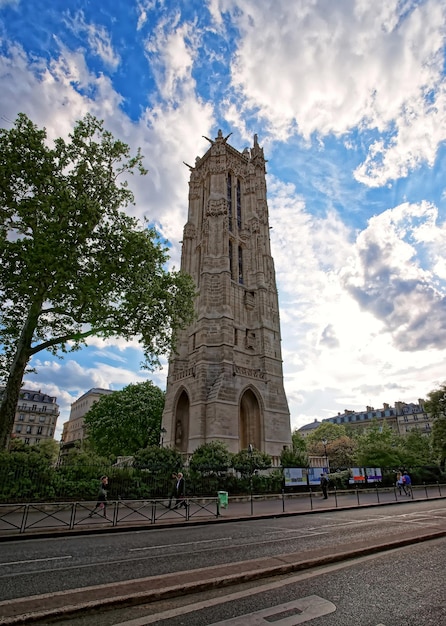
(404, 587)
(38, 566)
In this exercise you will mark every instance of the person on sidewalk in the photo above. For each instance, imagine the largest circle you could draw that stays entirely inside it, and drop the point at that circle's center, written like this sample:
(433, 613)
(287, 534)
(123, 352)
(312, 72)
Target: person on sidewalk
(400, 483)
(173, 489)
(101, 504)
(180, 492)
(324, 485)
(407, 484)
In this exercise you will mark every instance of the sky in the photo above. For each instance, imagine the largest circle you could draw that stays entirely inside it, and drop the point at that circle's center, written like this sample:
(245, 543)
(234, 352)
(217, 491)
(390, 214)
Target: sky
(348, 99)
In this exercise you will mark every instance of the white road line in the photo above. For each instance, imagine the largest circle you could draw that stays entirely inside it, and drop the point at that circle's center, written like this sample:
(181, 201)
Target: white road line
(49, 558)
(184, 543)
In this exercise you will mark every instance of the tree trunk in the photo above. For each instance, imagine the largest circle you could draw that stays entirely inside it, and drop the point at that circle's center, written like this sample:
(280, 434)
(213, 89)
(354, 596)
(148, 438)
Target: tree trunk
(11, 392)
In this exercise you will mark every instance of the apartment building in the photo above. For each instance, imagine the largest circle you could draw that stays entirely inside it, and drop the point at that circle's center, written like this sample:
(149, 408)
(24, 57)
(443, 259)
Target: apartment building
(401, 418)
(74, 429)
(35, 417)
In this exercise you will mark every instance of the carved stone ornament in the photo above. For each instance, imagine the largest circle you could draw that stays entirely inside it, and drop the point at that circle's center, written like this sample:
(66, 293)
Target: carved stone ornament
(216, 208)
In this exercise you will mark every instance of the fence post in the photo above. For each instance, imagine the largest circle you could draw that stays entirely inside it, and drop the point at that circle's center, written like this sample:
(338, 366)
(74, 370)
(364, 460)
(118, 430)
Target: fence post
(283, 501)
(425, 490)
(439, 488)
(73, 515)
(336, 496)
(311, 499)
(24, 518)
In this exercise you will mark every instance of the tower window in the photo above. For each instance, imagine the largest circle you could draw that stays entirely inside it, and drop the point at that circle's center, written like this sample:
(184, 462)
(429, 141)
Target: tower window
(240, 265)
(231, 264)
(229, 199)
(239, 206)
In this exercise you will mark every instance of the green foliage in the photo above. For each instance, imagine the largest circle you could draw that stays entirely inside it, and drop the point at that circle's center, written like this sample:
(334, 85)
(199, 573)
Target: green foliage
(247, 463)
(378, 447)
(415, 448)
(298, 442)
(327, 431)
(436, 407)
(73, 264)
(293, 458)
(158, 461)
(123, 422)
(212, 457)
(342, 452)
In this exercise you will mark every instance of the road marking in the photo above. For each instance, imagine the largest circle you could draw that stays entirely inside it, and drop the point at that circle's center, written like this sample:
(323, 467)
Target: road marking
(49, 558)
(288, 614)
(184, 543)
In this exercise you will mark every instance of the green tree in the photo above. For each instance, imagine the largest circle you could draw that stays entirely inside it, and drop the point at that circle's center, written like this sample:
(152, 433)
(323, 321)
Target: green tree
(378, 447)
(298, 442)
(327, 432)
(212, 457)
(292, 458)
(158, 461)
(125, 421)
(247, 463)
(342, 452)
(72, 263)
(436, 407)
(415, 448)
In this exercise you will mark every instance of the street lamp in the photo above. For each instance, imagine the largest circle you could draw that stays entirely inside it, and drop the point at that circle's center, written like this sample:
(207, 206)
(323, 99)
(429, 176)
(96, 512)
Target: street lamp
(163, 432)
(324, 443)
(250, 451)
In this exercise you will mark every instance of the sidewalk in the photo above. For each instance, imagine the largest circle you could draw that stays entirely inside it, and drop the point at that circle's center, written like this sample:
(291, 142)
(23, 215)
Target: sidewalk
(151, 589)
(24, 521)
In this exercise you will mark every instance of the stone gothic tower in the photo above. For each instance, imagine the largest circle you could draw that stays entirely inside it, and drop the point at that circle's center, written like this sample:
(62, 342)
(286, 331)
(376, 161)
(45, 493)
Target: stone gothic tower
(225, 382)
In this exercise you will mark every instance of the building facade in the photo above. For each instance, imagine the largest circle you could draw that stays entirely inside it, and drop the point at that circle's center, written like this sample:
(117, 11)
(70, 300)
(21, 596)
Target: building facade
(401, 418)
(225, 381)
(35, 417)
(74, 429)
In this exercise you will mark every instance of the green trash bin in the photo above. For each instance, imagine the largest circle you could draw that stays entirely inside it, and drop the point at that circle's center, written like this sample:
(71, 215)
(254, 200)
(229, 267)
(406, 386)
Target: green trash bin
(223, 498)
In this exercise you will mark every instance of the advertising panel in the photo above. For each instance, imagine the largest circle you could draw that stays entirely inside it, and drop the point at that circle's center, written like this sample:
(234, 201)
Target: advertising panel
(295, 476)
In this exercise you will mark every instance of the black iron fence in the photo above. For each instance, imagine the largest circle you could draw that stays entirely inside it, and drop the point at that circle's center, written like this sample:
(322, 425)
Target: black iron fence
(41, 517)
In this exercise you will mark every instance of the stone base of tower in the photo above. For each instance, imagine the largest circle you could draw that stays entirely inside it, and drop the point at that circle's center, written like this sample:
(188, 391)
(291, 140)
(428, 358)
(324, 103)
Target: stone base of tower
(238, 407)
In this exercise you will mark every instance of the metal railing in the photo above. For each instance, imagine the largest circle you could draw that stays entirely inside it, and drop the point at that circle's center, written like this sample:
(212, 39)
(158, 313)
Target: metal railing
(57, 516)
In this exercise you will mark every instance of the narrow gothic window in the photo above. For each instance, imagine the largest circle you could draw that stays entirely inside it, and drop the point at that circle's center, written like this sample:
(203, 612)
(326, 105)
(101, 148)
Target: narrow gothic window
(231, 267)
(240, 266)
(229, 198)
(239, 206)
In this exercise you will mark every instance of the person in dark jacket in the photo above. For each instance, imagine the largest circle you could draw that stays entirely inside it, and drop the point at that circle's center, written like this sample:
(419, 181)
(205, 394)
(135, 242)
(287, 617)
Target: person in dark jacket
(180, 492)
(324, 485)
(101, 504)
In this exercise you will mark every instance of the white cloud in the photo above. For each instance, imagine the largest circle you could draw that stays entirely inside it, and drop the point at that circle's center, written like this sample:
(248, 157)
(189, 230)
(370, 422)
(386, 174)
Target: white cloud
(98, 39)
(329, 69)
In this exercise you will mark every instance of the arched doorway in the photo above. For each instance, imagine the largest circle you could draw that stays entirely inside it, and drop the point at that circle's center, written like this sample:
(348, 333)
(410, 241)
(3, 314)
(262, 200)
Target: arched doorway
(181, 422)
(250, 423)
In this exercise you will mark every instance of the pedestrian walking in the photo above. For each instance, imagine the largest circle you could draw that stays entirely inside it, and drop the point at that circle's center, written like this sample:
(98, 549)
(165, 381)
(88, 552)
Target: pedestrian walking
(101, 504)
(324, 485)
(173, 488)
(400, 483)
(407, 482)
(180, 492)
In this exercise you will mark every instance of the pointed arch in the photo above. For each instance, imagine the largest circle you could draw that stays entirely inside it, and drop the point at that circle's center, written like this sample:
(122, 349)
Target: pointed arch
(181, 421)
(250, 420)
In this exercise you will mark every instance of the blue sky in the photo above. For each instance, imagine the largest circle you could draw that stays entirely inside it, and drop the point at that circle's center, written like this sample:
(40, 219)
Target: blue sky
(348, 99)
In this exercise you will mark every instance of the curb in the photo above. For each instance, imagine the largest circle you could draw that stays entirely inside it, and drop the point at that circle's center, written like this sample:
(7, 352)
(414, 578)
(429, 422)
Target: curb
(128, 593)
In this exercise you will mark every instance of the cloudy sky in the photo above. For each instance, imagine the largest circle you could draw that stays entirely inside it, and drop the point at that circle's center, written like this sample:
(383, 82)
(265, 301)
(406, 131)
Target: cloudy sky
(348, 98)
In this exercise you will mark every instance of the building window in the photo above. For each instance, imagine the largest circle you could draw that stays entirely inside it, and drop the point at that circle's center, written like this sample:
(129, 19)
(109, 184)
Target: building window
(39, 430)
(231, 264)
(27, 440)
(29, 430)
(229, 200)
(37, 441)
(21, 417)
(18, 428)
(34, 407)
(239, 206)
(240, 265)
(41, 418)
